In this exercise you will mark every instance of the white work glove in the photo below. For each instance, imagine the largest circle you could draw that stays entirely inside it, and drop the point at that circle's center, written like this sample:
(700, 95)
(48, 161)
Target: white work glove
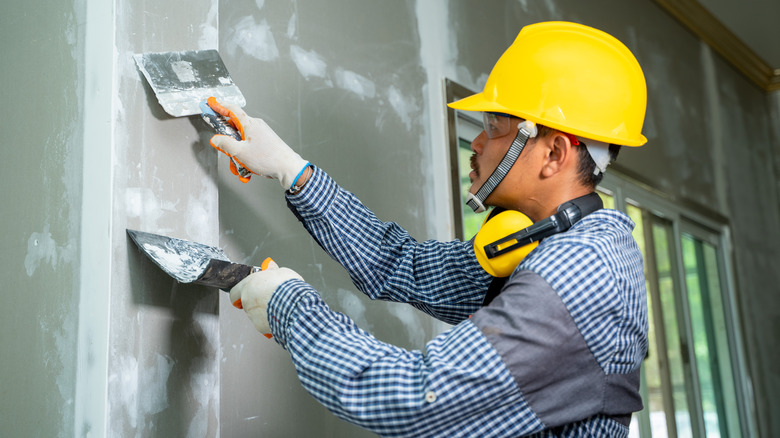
(254, 292)
(262, 151)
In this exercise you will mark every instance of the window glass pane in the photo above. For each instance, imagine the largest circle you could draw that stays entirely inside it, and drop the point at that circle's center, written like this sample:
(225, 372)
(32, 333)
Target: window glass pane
(662, 240)
(718, 312)
(652, 367)
(711, 347)
(640, 421)
(607, 199)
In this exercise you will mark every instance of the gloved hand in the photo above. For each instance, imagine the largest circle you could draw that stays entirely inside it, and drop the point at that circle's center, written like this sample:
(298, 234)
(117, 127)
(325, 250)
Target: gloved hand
(254, 292)
(261, 150)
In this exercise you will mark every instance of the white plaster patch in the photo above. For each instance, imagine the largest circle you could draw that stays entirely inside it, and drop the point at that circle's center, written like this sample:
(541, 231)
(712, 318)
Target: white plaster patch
(309, 63)
(524, 5)
(140, 391)
(203, 389)
(438, 47)
(250, 259)
(353, 307)
(438, 54)
(64, 337)
(154, 385)
(123, 386)
(201, 209)
(199, 426)
(355, 83)
(552, 8)
(209, 30)
(203, 386)
(141, 202)
(184, 71)
(414, 331)
(406, 108)
(482, 80)
(198, 219)
(41, 247)
(71, 32)
(292, 26)
(182, 260)
(253, 38)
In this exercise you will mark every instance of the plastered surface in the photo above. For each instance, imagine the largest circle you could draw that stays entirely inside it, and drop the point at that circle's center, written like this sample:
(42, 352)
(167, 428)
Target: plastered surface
(98, 341)
(163, 358)
(41, 216)
(350, 95)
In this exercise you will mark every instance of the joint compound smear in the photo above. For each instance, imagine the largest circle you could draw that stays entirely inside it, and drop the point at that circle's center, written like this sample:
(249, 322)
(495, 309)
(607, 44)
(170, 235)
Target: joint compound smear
(183, 260)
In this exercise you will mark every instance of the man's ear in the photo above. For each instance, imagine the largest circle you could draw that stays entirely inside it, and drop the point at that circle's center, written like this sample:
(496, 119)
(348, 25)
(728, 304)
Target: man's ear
(558, 151)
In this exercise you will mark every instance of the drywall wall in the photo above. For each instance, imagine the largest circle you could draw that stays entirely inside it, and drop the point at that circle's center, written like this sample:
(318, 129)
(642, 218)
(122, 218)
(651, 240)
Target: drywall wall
(97, 341)
(292, 60)
(343, 83)
(42, 82)
(163, 359)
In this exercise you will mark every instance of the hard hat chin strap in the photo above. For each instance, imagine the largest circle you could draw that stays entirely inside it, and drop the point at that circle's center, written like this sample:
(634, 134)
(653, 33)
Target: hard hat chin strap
(526, 130)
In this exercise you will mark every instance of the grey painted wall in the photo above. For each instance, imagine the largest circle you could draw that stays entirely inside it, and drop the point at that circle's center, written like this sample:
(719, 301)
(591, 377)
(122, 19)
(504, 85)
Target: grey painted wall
(164, 347)
(709, 130)
(342, 84)
(96, 339)
(42, 84)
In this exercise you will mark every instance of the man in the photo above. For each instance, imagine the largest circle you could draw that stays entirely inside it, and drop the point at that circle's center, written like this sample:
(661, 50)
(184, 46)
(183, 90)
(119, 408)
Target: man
(554, 347)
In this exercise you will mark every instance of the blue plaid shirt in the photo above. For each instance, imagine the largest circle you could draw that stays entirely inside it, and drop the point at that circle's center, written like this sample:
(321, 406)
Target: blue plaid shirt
(458, 387)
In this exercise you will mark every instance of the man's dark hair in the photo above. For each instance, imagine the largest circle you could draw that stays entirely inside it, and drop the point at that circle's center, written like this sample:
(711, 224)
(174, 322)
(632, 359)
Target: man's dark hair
(586, 169)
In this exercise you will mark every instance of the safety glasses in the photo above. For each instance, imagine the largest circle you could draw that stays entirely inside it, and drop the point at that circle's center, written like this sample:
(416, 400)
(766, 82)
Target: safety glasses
(496, 124)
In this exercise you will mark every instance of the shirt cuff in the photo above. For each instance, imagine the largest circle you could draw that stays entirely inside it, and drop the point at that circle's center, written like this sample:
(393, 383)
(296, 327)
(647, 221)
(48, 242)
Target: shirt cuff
(283, 308)
(316, 197)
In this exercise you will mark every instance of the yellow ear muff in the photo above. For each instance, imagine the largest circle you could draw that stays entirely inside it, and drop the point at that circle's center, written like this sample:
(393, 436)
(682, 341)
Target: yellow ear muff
(497, 251)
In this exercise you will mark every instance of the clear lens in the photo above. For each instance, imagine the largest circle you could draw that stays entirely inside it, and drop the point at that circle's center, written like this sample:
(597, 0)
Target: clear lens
(495, 125)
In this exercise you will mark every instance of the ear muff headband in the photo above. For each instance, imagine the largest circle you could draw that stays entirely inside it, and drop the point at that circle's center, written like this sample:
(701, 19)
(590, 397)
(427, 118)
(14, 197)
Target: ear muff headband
(499, 248)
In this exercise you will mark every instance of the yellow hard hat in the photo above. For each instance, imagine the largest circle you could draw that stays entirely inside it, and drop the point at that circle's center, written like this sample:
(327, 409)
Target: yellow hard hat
(569, 77)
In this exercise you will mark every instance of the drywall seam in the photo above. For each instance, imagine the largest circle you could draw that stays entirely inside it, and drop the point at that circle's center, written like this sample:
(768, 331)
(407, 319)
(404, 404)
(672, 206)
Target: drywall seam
(774, 139)
(716, 134)
(95, 251)
(436, 57)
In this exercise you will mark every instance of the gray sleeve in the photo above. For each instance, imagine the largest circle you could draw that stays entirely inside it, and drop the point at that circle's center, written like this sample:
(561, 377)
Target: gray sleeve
(548, 357)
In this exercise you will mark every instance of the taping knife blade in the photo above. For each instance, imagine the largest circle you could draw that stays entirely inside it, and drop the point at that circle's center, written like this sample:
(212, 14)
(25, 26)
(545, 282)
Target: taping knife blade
(193, 262)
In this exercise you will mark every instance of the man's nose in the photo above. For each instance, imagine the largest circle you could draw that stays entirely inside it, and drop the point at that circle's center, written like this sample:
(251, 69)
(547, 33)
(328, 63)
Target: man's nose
(478, 143)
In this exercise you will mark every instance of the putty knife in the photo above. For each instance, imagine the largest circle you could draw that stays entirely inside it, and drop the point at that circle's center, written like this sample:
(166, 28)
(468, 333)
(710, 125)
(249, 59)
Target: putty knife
(192, 262)
(183, 81)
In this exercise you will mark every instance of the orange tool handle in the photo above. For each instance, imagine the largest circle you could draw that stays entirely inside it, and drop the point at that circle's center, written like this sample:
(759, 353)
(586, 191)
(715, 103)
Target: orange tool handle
(263, 266)
(241, 171)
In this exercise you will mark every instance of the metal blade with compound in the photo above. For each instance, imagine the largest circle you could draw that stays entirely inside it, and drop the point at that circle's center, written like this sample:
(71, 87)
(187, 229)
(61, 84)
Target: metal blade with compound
(181, 259)
(182, 80)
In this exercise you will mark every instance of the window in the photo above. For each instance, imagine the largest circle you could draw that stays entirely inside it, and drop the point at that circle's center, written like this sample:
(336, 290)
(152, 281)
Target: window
(464, 126)
(693, 379)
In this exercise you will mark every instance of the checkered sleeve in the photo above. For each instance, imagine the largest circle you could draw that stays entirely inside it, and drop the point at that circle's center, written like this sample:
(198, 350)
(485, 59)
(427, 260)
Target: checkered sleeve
(442, 279)
(459, 387)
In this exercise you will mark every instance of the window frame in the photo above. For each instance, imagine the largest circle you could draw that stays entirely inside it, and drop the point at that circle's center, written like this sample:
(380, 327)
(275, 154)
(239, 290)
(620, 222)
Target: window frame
(710, 227)
(458, 122)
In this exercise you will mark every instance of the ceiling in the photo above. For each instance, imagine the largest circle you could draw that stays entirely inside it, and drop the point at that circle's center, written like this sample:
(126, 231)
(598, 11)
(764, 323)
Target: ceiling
(745, 32)
(752, 21)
